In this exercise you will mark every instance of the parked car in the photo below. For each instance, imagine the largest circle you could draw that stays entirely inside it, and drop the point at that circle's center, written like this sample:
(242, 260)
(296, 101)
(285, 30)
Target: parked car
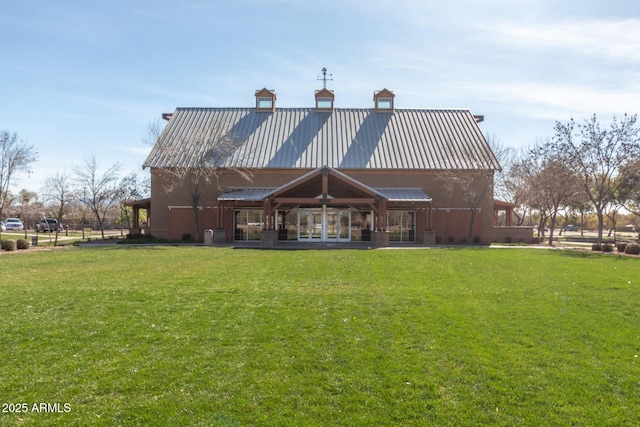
(13, 224)
(48, 224)
(2, 226)
(570, 228)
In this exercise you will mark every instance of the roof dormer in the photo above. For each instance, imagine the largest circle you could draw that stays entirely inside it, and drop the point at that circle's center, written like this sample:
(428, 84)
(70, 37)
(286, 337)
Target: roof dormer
(265, 100)
(324, 100)
(383, 100)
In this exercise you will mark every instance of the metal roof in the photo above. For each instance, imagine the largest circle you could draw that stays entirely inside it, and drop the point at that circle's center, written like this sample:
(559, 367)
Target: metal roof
(252, 194)
(256, 194)
(404, 194)
(348, 138)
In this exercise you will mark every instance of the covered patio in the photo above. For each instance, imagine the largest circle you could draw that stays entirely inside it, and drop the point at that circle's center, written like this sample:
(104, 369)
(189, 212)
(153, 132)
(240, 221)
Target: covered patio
(505, 231)
(326, 206)
(136, 227)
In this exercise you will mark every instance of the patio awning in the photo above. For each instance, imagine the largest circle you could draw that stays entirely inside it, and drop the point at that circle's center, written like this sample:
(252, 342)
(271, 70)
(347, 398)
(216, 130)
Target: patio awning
(251, 194)
(404, 194)
(140, 204)
(256, 194)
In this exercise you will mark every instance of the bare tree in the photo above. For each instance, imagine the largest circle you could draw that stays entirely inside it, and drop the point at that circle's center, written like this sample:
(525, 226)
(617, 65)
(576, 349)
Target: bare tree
(596, 156)
(59, 193)
(555, 186)
(28, 200)
(132, 187)
(506, 156)
(98, 192)
(15, 156)
(475, 186)
(195, 170)
(516, 182)
(629, 190)
(524, 175)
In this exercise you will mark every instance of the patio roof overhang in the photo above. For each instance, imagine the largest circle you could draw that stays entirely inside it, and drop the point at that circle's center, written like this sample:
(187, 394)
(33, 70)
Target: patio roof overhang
(313, 187)
(323, 186)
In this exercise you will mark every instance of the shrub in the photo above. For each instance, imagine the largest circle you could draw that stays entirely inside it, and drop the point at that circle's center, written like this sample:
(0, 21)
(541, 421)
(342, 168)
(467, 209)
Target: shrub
(451, 240)
(632, 249)
(621, 246)
(9, 245)
(186, 237)
(596, 247)
(142, 238)
(607, 247)
(476, 240)
(508, 239)
(22, 244)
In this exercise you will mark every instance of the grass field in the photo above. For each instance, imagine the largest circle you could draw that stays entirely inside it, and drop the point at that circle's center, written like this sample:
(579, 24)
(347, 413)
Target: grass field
(199, 336)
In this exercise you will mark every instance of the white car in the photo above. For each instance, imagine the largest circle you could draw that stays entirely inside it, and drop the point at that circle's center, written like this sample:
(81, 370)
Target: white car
(13, 224)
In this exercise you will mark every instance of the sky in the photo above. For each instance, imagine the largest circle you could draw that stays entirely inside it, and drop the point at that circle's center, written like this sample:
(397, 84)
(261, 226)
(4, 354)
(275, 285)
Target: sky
(86, 78)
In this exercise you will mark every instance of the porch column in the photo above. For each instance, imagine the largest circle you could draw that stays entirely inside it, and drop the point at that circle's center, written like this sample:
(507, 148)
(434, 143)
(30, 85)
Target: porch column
(218, 208)
(266, 211)
(382, 216)
(136, 216)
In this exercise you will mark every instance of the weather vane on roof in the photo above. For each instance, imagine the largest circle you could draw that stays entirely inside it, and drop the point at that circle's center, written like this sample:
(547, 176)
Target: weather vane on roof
(324, 78)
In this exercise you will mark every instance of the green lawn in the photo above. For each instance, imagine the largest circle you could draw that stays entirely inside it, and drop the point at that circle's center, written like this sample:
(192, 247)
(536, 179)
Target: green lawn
(199, 336)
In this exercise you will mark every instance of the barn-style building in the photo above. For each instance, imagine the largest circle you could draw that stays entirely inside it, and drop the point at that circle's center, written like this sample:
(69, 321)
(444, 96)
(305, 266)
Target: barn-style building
(382, 175)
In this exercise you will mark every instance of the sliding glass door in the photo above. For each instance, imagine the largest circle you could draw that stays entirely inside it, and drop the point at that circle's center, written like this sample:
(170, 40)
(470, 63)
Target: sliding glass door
(324, 225)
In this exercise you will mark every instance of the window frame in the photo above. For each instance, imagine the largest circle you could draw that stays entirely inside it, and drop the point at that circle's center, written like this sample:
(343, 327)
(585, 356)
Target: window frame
(324, 103)
(406, 234)
(264, 100)
(384, 103)
(247, 214)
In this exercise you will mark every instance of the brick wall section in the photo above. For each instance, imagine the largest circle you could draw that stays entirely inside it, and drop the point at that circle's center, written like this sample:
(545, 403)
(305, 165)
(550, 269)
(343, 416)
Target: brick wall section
(454, 223)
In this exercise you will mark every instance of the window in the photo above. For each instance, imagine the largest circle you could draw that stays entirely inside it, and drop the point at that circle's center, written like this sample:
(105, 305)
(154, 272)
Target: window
(264, 102)
(401, 226)
(385, 103)
(325, 103)
(247, 224)
(361, 226)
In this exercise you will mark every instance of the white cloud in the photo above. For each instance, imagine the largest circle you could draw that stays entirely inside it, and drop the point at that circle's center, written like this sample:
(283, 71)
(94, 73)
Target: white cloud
(614, 39)
(552, 101)
(140, 151)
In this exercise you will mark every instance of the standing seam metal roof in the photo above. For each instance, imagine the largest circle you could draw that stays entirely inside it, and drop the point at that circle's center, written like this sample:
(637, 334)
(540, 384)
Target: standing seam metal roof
(256, 194)
(302, 138)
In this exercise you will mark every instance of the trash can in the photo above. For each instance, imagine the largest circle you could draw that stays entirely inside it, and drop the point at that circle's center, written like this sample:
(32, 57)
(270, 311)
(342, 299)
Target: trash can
(208, 237)
(34, 240)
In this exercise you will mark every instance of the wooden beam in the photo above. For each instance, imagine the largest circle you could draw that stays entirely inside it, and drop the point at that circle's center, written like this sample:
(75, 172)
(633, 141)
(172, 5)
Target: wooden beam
(296, 200)
(316, 201)
(325, 183)
(382, 216)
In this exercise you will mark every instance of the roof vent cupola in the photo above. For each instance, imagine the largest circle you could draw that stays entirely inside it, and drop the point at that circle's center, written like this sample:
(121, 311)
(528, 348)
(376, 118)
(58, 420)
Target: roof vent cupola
(384, 100)
(265, 100)
(324, 100)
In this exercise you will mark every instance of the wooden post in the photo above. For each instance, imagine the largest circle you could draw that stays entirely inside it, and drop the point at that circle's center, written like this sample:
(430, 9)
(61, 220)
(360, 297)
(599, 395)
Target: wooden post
(382, 216)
